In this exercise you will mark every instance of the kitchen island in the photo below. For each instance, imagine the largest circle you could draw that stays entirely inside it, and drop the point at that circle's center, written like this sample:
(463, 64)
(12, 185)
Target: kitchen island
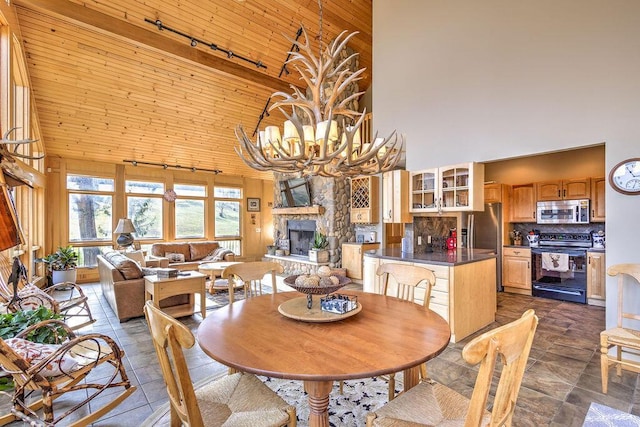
(465, 290)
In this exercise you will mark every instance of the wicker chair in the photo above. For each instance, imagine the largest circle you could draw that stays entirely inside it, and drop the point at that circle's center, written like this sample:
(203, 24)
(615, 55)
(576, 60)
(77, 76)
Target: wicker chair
(238, 399)
(431, 404)
(37, 387)
(65, 298)
(621, 337)
(251, 273)
(408, 279)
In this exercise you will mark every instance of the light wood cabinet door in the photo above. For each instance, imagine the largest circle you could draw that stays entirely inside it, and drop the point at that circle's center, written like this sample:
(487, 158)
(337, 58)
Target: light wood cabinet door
(453, 188)
(523, 203)
(516, 269)
(573, 189)
(598, 186)
(493, 193)
(352, 258)
(568, 189)
(395, 197)
(596, 280)
(370, 280)
(364, 200)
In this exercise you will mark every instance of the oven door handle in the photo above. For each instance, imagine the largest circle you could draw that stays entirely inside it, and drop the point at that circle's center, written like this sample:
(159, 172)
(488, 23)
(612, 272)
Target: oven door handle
(560, 291)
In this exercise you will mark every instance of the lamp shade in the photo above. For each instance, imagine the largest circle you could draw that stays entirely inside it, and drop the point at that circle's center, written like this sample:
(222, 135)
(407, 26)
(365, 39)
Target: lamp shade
(124, 226)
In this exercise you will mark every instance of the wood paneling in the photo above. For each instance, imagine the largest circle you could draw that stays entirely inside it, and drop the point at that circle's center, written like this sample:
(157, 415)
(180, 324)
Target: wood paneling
(124, 90)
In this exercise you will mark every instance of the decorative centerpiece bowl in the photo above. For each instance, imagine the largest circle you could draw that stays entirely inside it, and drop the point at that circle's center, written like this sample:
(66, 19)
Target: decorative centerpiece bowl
(315, 289)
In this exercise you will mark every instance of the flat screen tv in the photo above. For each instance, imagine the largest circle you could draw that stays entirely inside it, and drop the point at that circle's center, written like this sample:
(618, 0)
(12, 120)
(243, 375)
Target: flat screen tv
(295, 192)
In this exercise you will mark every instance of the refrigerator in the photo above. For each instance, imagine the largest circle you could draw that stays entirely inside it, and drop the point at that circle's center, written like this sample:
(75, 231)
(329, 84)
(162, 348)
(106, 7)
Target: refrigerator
(484, 231)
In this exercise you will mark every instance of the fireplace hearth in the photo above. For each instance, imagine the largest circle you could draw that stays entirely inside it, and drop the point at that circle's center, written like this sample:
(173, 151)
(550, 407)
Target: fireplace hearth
(300, 234)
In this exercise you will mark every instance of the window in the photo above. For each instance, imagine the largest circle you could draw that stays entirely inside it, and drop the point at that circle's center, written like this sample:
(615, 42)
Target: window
(144, 207)
(227, 219)
(189, 211)
(90, 215)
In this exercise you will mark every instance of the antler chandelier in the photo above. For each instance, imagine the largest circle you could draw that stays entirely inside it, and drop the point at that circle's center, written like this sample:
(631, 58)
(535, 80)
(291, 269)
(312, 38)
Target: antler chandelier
(321, 135)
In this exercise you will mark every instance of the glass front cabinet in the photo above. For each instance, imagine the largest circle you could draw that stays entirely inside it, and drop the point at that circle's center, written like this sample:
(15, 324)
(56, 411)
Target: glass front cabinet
(448, 189)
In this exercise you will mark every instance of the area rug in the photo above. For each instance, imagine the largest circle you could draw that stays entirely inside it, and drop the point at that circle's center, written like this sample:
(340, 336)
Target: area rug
(350, 408)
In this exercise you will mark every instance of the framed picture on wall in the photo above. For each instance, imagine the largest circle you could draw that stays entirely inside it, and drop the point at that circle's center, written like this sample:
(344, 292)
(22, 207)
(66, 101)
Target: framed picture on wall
(253, 205)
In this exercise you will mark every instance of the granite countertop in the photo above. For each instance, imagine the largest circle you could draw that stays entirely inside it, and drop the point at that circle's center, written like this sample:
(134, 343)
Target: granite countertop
(456, 257)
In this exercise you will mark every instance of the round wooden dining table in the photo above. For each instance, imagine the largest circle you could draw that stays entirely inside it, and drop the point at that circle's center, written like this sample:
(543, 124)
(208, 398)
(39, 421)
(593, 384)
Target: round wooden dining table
(387, 335)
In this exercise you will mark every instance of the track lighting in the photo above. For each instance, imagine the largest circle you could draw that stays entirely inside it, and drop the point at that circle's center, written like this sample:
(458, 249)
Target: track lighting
(166, 166)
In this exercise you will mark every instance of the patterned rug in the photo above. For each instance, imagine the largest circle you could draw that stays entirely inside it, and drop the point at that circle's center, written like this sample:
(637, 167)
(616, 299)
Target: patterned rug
(347, 409)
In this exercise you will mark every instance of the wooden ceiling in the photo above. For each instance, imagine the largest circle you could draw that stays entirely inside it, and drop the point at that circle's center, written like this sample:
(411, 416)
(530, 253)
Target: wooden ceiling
(109, 86)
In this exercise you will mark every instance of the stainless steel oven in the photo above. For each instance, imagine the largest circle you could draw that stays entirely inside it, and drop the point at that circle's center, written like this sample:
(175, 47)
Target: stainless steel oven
(559, 266)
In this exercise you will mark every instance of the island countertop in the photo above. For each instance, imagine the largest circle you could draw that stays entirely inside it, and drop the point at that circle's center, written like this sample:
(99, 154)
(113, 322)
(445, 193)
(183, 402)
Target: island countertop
(451, 258)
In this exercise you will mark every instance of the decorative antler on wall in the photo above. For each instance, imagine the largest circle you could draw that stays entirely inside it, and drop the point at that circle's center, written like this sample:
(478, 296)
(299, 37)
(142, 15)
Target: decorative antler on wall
(7, 154)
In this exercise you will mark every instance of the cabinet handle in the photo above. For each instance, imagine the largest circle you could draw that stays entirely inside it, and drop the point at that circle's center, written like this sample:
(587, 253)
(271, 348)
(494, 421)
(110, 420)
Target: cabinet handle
(593, 213)
(516, 252)
(564, 193)
(558, 193)
(389, 213)
(528, 264)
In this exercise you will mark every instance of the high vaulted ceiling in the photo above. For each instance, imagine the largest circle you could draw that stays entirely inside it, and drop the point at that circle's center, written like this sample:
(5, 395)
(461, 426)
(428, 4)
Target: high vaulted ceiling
(109, 86)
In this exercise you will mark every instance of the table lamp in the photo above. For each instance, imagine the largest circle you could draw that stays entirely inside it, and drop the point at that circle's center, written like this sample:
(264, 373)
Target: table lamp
(125, 228)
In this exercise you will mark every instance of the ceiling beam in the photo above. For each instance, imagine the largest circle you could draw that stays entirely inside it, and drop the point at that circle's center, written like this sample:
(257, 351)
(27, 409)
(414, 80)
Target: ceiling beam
(105, 24)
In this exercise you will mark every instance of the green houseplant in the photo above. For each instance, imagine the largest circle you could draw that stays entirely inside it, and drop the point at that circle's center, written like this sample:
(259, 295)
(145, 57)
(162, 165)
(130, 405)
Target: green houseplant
(62, 264)
(318, 252)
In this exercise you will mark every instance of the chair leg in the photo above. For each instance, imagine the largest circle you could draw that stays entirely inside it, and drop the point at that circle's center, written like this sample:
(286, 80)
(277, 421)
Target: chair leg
(423, 372)
(619, 359)
(293, 418)
(604, 367)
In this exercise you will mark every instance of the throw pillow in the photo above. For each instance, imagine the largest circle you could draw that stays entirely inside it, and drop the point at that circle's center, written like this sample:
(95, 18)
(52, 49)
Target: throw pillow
(34, 353)
(217, 255)
(174, 257)
(137, 256)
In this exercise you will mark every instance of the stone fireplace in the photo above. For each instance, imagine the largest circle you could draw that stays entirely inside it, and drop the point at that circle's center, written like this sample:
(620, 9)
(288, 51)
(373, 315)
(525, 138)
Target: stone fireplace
(301, 233)
(331, 196)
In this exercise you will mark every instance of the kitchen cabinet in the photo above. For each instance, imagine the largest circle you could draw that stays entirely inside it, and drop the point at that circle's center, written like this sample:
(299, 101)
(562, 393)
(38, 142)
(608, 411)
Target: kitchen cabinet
(523, 203)
(516, 270)
(352, 257)
(464, 294)
(448, 189)
(567, 189)
(395, 197)
(493, 193)
(364, 200)
(596, 279)
(598, 186)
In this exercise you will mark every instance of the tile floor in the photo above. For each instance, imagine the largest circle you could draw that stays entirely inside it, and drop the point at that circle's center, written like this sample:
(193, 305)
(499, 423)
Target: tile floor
(562, 379)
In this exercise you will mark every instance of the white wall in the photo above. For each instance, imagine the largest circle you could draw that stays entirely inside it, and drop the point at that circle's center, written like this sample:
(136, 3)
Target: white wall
(469, 80)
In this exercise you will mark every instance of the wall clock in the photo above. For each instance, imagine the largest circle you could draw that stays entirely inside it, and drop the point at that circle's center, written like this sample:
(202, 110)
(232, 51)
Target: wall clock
(170, 196)
(625, 177)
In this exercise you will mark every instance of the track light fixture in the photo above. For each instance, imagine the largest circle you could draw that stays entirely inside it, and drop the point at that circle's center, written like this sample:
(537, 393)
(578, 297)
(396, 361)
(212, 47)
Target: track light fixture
(166, 166)
(193, 41)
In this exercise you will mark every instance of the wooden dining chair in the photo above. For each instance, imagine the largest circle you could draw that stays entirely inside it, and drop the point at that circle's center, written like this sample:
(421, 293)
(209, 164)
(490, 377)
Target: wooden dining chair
(43, 373)
(251, 274)
(432, 404)
(622, 337)
(237, 399)
(407, 279)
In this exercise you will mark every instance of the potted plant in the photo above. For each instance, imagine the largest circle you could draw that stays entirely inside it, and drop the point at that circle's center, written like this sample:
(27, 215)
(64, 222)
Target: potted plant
(318, 252)
(62, 264)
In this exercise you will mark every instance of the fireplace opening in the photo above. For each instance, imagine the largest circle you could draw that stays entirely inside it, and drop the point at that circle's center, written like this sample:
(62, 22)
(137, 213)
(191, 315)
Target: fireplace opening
(300, 234)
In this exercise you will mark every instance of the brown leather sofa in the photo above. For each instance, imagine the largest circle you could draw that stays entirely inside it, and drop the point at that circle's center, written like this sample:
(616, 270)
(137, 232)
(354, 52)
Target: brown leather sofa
(194, 253)
(122, 283)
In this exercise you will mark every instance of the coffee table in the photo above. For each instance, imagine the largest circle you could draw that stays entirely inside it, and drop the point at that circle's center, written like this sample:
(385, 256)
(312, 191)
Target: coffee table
(214, 270)
(156, 289)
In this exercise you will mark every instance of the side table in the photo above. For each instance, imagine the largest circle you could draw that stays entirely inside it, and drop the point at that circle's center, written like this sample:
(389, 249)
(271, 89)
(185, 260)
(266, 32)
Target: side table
(214, 270)
(156, 289)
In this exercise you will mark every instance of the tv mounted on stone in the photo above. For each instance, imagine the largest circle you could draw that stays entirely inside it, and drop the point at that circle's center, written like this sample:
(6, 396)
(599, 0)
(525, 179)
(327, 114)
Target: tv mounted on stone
(295, 192)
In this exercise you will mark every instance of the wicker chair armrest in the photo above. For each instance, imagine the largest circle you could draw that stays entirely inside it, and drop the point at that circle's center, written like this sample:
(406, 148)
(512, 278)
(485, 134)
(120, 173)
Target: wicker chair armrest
(64, 287)
(51, 323)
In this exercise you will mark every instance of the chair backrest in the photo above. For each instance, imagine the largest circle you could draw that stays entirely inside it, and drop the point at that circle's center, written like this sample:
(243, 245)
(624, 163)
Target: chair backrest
(623, 271)
(169, 338)
(250, 272)
(512, 343)
(408, 278)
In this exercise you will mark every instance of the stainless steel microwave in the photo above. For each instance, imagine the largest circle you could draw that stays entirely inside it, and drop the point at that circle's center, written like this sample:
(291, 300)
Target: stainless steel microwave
(563, 212)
